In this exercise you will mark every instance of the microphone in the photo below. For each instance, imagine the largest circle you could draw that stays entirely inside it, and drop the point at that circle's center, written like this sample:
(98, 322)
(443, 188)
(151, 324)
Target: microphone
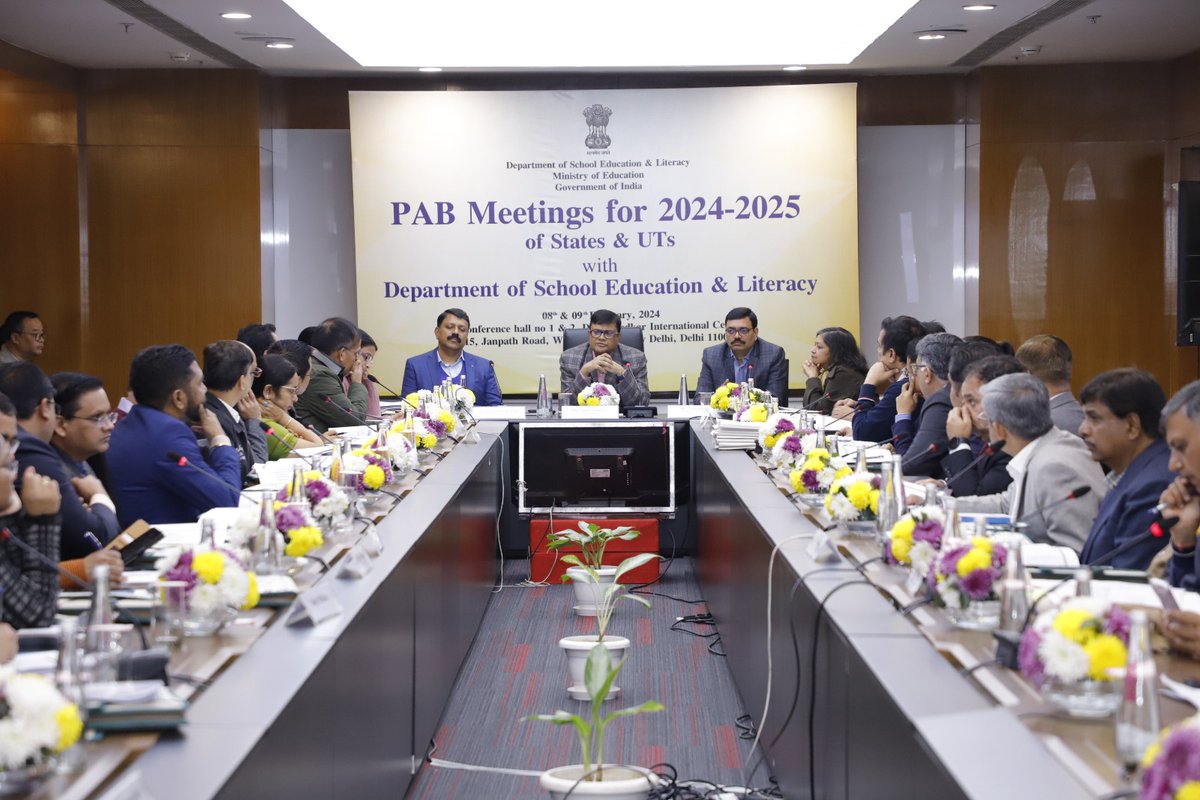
(1076, 493)
(820, 399)
(888, 440)
(935, 449)
(7, 536)
(269, 431)
(182, 461)
(1158, 529)
(988, 449)
(359, 415)
(322, 436)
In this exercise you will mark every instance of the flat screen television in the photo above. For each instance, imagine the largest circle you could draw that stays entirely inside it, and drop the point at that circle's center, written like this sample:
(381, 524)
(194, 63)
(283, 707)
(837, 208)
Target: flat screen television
(596, 467)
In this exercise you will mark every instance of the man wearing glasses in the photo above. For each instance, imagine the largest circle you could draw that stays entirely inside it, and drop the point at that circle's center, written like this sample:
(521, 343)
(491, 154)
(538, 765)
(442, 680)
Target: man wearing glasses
(229, 373)
(603, 359)
(89, 518)
(743, 357)
(23, 337)
(325, 403)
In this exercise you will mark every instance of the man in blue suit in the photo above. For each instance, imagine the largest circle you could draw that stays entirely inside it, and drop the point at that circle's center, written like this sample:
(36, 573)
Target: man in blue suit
(450, 360)
(148, 483)
(744, 356)
(1121, 411)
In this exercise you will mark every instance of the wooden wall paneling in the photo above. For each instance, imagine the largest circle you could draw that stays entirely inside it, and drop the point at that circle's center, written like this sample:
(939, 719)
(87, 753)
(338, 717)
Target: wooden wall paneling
(39, 206)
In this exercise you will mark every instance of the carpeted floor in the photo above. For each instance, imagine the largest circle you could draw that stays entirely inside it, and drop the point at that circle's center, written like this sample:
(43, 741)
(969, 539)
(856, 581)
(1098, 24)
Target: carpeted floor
(515, 668)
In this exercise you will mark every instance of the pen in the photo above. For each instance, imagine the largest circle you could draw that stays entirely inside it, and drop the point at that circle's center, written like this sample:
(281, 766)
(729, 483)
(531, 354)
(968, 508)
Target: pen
(91, 537)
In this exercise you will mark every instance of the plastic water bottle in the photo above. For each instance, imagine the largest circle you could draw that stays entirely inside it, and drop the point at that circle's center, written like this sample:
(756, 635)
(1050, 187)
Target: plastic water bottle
(543, 398)
(1139, 718)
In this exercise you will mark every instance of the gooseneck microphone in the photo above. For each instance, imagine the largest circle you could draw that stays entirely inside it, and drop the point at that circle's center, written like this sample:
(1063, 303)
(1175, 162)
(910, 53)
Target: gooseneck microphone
(1079, 491)
(988, 449)
(183, 461)
(271, 432)
(359, 415)
(7, 536)
(935, 450)
(390, 390)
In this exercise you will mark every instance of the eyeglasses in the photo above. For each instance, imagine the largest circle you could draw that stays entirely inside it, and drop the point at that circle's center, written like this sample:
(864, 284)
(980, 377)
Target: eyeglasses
(255, 373)
(108, 418)
(600, 333)
(38, 336)
(292, 389)
(913, 368)
(367, 358)
(737, 331)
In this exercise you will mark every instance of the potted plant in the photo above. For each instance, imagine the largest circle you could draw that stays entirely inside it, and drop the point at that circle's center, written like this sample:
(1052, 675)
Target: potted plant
(594, 778)
(578, 647)
(591, 540)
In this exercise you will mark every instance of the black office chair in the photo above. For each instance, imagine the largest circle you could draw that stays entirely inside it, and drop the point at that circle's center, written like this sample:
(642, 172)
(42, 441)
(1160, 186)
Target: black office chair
(630, 337)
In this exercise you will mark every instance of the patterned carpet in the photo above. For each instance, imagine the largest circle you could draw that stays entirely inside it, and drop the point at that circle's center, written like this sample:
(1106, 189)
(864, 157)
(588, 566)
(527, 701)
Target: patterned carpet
(515, 668)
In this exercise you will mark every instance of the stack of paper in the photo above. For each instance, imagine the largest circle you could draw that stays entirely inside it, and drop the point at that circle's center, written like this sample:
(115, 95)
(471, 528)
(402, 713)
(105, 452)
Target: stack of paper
(730, 435)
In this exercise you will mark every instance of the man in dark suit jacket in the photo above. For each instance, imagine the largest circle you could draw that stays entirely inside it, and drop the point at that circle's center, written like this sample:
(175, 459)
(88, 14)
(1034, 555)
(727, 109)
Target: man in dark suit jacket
(744, 356)
(1120, 427)
(450, 360)
(229, 372)
(924, 444)
(967, 432)
(603, 359)
(169, 388)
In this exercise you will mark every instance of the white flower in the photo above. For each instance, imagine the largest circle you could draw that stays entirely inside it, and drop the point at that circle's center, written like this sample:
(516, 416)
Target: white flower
(1063, 658)
(332, 506)
(402, 453)
(825, 476)
(464, 396)
(951, 597)
(30, 726)
(922, 555)
(840, 508)
(780, 457)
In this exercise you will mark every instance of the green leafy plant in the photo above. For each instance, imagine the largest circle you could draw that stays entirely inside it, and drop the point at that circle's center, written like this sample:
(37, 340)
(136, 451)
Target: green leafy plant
(598, 676)
(592, 539)
(606, 602)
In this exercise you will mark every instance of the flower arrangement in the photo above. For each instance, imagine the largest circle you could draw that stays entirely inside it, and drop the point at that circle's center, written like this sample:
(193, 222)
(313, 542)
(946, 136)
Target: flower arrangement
(1171, 766)
(916, 539)
(297, 527)
(776, 427)
(36, 721)
(598, 394)
(853, 497)
(464, 397)
(215, 580)
(419, 398)
(402, 452)
(818, 472)
(729, 393)
(1081, 640)
(327, 501)
(438, 420)
(788, 450)
(374, 470)
(418, 428)
(965, 572)
(755, 412)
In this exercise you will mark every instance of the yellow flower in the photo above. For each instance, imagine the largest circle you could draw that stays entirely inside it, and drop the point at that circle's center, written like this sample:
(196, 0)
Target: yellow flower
(819, 452)
(70, 726)
(1152, 752)
(428, 441)
(412, 399)
(447, 419)
(722, 403)
(252, 595)
(1188, 791)
(312, 475)
(901, 548)
(302, 540)
(904, 528)
(208, 566)
(874, 501)
(373, 476)
(758, 413)
(1105, 652)
(843, 472)
(771, 440)
(859, 494)
(983, 543)
(797, 480)
(1076, 624)
(973, 560)
(815, 464)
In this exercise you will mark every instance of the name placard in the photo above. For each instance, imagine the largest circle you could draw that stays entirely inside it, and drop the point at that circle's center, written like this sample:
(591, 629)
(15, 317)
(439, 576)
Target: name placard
(315, 606)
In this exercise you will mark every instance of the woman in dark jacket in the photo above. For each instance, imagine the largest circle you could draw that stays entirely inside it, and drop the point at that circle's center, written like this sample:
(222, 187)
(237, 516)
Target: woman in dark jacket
(835, 369)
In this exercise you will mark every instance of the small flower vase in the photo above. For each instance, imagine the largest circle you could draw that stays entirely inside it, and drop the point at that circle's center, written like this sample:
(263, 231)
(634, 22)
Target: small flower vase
(859, 528)
(979, 615)
(198, 624)
(26, 780)
(1087, 699)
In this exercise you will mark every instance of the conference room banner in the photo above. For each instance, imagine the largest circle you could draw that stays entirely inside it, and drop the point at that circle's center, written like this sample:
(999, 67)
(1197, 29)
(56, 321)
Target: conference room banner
(668, 206)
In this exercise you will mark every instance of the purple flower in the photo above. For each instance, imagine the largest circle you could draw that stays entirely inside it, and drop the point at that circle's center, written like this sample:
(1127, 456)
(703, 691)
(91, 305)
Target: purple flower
(1117, 624)
(812, 481)
(930, 531)
(601, 390)
(317, 491)
(183, 572)
(999, 556)
(1180, 756)
(436, 427)
(793, 445)
(289, 517)
(1027, 657)
(784, 425)
(950, 558)
(977, 585)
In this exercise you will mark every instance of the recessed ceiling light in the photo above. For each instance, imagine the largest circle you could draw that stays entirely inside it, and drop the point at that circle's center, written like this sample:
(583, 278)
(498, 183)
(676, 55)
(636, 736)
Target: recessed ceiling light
(280, 45)
(429, 69)
(794, 68)
(929, 37)
(980, 7)
(235, 15)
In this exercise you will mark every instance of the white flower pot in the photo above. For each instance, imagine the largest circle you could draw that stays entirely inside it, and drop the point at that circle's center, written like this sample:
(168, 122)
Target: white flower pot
(620, 783)
(577, 649)
(588, 595)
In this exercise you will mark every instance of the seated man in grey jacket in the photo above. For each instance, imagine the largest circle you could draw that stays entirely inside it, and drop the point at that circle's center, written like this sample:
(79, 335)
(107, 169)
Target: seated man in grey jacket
(1048, 465)
(603, 359)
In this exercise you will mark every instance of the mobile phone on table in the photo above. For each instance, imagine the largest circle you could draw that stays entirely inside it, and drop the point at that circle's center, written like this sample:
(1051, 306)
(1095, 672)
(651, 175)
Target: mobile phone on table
(1165, 595)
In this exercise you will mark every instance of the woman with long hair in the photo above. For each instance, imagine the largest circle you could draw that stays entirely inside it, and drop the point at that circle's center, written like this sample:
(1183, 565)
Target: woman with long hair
(835, 369)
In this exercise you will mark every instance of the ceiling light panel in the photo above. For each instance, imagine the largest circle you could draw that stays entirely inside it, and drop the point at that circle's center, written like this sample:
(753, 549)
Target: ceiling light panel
(555, 34)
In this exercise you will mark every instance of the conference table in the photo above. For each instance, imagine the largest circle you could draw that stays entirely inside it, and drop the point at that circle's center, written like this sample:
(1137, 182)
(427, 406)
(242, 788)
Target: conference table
(348, 707)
